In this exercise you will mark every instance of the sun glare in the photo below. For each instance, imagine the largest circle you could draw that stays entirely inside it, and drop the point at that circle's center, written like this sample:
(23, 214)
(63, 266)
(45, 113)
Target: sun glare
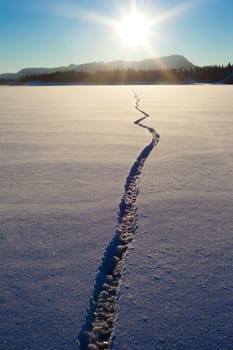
(134, 30)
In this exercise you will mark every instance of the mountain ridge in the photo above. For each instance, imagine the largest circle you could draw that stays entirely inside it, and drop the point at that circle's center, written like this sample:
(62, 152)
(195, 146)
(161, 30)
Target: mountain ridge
(156, 63)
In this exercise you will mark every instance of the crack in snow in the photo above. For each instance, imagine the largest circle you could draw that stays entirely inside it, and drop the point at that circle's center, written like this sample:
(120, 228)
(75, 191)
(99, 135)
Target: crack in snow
(97, 331)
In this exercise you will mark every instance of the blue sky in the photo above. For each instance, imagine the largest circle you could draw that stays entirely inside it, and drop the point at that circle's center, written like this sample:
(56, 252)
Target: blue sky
(49, 33)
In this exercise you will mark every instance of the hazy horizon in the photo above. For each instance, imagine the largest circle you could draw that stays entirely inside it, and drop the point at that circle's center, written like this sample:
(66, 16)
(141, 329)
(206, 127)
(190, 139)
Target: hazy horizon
(115, 60)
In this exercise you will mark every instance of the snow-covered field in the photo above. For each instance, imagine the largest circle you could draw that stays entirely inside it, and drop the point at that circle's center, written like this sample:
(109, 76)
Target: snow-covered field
(65, 155)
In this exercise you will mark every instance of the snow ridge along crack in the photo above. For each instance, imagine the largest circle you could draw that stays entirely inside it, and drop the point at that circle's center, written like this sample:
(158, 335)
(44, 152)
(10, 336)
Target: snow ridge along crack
(97, 331)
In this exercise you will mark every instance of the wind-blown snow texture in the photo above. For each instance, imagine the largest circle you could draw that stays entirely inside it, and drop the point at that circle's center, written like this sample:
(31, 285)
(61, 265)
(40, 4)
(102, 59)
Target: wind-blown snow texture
(65, 153)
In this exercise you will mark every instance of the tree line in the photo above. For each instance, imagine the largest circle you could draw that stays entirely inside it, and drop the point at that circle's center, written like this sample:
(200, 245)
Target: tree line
(208, 74)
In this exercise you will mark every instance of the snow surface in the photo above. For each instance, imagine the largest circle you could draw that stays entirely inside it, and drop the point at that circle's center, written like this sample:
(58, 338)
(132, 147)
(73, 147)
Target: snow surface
(65, 155)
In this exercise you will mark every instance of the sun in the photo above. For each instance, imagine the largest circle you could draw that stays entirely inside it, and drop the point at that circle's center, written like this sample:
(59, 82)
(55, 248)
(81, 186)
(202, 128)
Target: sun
(134, 30)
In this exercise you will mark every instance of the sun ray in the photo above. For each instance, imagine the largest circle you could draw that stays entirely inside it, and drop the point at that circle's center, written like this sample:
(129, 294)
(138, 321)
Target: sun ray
(134, 26)
(173, 12)
(74, 11)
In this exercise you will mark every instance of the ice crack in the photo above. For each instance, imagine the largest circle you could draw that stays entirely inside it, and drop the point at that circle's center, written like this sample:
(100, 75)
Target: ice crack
(97, 331)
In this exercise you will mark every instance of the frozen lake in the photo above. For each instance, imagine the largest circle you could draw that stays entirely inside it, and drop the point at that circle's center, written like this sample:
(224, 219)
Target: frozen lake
(65, 155)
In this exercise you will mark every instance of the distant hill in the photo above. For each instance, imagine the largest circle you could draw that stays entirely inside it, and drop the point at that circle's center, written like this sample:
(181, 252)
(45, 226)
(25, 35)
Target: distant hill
(168, 62)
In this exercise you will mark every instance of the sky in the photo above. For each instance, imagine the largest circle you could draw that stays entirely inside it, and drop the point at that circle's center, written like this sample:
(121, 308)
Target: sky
(52, 33)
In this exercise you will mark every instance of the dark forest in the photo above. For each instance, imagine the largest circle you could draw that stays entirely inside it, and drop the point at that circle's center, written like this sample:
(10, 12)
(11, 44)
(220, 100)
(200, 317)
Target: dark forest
(209, 74)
